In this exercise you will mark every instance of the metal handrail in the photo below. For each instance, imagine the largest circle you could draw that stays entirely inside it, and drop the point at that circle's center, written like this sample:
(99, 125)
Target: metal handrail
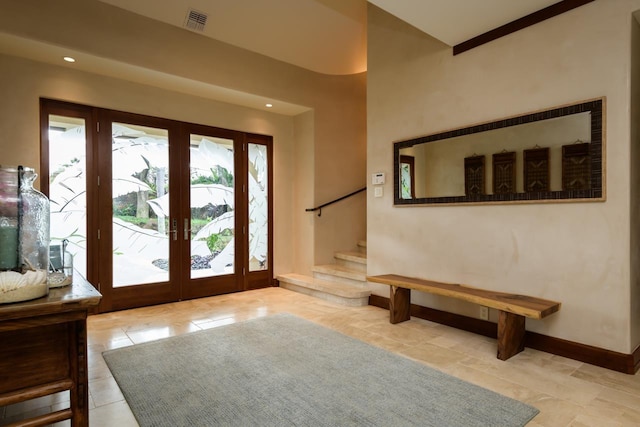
(319, 208)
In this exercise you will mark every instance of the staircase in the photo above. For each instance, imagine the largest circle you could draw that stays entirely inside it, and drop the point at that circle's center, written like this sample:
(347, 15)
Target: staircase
(344, 282)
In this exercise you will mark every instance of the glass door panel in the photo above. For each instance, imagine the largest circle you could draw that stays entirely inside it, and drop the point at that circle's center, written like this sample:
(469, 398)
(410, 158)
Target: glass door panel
(258, 207)
(68, 187)
(212, 206)
(140, 201)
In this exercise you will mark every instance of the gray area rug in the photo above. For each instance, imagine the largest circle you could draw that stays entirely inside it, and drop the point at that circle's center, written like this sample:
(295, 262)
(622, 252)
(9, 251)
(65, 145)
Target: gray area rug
(285, 371)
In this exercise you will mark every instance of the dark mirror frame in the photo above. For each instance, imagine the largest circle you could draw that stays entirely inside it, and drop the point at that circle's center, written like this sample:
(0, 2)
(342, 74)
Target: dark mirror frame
(597, 154)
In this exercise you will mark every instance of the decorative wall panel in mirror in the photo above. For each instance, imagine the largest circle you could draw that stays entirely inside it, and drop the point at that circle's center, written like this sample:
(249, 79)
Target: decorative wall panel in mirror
(504, 172)
(551, 155)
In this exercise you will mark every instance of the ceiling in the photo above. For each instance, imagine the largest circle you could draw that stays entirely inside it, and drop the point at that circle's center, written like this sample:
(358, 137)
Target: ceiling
(330, 36)
(325, 36)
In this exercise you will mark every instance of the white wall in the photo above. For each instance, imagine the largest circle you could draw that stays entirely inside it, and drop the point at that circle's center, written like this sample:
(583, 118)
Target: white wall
(575, 253)
(304, 239)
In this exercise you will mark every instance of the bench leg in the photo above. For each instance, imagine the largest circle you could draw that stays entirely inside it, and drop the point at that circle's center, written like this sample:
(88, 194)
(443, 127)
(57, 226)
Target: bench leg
(510, 335)
(399, 304)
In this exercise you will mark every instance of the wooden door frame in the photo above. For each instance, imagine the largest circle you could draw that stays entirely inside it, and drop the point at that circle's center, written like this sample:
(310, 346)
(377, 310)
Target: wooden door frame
(262, 278)
(99, 196)
(89, 114)
(213, 285)
(144, 294)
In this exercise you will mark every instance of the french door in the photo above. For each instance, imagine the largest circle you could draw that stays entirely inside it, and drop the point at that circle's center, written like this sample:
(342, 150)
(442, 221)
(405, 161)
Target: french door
(172, 210)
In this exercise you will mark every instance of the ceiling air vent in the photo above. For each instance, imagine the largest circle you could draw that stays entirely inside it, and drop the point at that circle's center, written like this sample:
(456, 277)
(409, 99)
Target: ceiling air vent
(195, 20)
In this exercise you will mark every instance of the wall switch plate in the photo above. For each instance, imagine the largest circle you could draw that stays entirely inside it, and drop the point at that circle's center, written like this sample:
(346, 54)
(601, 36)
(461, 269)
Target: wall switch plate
(377, 192)
(377, 178)
(484, 313)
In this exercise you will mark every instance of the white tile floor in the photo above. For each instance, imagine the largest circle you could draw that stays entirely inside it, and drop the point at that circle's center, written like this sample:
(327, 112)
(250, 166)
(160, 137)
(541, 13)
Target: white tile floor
(567, 392)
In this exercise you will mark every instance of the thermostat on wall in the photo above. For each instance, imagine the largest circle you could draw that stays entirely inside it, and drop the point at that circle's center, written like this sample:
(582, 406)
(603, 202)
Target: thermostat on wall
(377, 178)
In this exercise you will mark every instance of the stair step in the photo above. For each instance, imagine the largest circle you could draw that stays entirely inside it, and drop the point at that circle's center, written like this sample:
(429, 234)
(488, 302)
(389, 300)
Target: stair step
(333, 291)
(362, 246)
(340, 272)
(357, 257)
(353, 260)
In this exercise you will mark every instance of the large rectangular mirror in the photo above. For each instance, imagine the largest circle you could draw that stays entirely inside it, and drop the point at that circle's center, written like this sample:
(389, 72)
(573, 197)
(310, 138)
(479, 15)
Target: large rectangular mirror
(551, 155)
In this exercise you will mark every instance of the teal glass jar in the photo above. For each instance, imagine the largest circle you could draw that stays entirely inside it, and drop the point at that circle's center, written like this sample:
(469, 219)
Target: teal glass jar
(24, 236)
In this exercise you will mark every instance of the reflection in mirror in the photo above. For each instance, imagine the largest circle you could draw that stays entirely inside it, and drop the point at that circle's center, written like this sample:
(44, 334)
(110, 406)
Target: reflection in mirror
(550, 155)
(407, 177)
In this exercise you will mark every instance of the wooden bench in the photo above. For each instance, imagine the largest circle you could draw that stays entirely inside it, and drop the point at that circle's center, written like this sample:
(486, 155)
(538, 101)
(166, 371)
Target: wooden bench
(513, 308)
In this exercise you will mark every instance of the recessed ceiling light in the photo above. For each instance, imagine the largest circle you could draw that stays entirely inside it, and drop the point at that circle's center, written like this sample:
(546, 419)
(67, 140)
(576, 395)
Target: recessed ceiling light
(69, 59)
(268, 105)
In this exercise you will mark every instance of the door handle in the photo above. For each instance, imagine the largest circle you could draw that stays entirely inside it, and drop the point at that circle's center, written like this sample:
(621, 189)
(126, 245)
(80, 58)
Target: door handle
(174, 228)
(186, 229)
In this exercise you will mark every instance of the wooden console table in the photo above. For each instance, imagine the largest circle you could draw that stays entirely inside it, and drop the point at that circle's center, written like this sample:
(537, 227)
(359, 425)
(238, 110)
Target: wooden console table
(43, 350)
